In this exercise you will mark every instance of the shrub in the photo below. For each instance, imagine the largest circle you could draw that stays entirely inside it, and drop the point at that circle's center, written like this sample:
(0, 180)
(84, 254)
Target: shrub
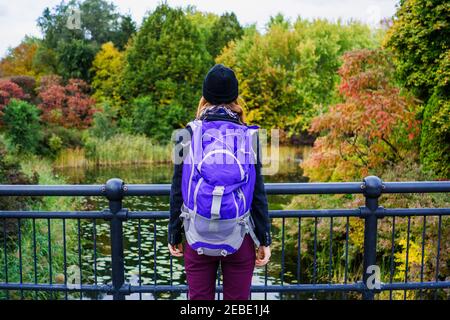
(69, 105)
(55, 143)
(10, 173)
(155, 120)
(27, 84)
(22, 125)
(105, 122)
(9, 90)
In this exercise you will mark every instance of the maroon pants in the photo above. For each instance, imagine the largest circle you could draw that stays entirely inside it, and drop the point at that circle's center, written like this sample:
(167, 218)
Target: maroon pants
(237, 271)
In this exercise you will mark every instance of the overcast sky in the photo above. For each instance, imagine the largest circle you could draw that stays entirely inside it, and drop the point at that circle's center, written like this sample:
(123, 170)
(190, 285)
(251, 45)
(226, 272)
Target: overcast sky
(18, 17)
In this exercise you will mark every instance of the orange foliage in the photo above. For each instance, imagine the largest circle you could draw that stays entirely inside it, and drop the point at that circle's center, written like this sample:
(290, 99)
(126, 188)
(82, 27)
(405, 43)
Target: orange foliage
(374, 125)
(19, 61)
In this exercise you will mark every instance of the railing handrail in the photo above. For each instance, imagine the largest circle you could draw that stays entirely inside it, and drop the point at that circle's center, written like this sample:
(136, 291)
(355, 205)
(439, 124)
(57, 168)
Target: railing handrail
(271, 188)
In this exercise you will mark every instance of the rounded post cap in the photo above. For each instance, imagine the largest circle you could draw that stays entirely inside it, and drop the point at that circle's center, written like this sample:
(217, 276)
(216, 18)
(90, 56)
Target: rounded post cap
(372, 186)
(114, 189)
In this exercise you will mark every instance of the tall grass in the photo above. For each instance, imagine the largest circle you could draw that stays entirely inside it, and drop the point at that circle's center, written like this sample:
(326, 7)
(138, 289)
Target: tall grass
(36, 256)
(121, 149)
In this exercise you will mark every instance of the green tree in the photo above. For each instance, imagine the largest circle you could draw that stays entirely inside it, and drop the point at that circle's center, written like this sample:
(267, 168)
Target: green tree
(75, 59)
(155, 120)
(224, 29)
(22, 125)
(100, 23)
(127, 29)
(290, 69)
(167, 62)
(420, 40)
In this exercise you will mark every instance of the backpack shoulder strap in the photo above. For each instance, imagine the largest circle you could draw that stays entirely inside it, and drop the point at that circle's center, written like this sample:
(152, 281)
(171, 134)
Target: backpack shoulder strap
(196, 148)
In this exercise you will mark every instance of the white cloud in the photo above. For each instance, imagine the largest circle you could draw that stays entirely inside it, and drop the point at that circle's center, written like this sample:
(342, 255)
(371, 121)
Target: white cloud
(18, 17)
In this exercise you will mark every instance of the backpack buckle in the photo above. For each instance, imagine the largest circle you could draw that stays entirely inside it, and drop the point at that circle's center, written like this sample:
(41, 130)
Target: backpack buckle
(185, 215)
(224, 252)
(200, 251)
(216, 202)
(218, 191)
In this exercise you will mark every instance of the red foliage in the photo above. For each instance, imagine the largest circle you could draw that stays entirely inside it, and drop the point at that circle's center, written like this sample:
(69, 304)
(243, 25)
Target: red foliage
(9, 90)
(69, 105)
(372, 126)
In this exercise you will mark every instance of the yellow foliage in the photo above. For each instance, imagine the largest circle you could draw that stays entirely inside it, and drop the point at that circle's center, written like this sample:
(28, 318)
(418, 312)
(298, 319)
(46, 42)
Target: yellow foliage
(107, 67)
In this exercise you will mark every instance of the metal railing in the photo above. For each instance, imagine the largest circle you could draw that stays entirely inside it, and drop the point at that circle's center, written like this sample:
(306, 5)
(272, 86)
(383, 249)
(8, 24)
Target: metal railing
(115, 190)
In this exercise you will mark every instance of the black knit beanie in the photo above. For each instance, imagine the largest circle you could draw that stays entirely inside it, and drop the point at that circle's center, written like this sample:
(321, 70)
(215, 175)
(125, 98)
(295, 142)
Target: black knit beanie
(220, 85)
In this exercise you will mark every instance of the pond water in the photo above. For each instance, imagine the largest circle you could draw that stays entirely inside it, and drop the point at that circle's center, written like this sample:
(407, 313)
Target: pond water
(150, 263)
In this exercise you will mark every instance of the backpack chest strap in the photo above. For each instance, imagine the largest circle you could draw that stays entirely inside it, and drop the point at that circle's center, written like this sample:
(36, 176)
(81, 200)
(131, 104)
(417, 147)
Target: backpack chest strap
(216, 202)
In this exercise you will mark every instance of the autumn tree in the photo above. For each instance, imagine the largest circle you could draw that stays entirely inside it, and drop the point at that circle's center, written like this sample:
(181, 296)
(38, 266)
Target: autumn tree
(107, 68)
(19, 60)
(374, 126)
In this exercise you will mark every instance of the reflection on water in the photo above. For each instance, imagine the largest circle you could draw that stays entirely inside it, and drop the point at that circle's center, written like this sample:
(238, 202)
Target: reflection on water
(147, 261)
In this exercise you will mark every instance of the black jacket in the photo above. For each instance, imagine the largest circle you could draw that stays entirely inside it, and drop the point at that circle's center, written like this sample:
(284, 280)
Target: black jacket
(259, 208)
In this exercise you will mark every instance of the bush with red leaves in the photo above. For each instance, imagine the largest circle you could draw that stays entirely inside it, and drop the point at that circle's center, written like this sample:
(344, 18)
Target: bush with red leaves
(9, 90)
(67, 105)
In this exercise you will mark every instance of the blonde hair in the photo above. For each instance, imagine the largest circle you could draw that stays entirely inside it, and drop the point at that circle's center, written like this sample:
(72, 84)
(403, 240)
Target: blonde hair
(234, 106)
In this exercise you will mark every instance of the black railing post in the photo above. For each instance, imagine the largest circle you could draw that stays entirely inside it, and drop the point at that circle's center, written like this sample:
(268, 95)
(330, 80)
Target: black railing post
(114, 193)
(372, 188)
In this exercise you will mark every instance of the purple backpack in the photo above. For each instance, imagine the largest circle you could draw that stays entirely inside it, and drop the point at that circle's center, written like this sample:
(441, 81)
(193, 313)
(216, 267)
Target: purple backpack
(218, 180)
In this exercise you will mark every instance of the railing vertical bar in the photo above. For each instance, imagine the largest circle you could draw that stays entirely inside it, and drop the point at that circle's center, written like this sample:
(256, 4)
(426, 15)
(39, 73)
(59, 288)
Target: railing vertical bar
(64, 255)
(265, 281)
(19, 227)
(283, 253)
(49, 246)
(330, 258)
(171, 270)
(315, 255)
(438, 253)
(94, 233)
(5, 247)
(391, 268)
(422, 263)
(347, 229)
(35, 257)
(154, 256)
(407, 254)
(140, 259)
(80, 262)
(299, 250)
(218, 280)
